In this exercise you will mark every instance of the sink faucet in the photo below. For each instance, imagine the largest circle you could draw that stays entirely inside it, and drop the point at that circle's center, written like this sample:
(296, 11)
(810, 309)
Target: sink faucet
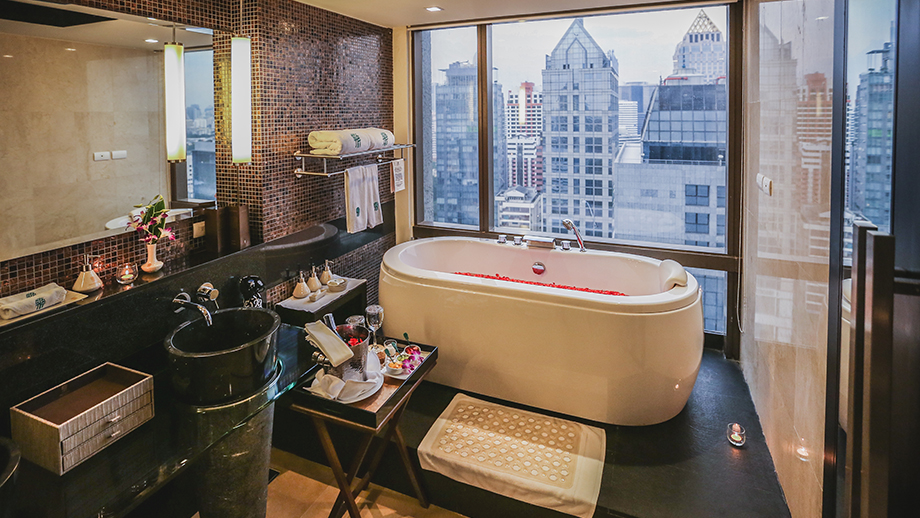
(185, 301)
(570, 225)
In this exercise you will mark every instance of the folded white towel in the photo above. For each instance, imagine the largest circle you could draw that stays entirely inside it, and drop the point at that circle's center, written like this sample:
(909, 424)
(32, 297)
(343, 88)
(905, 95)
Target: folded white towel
(372, 196)
(381, 138)
(355, 200)
(331, 387)
(31, 301)
(338, 142)
(332, 347)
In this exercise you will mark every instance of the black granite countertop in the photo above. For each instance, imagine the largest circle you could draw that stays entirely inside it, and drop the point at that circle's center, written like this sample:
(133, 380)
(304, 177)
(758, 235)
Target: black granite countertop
(121, 476)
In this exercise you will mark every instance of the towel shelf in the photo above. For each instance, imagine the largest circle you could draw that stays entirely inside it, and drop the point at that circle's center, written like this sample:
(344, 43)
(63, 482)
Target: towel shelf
(299, 172)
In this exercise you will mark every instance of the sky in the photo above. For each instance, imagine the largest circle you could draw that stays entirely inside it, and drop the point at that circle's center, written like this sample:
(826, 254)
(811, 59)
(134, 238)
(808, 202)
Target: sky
(643, 43)
(199, 79)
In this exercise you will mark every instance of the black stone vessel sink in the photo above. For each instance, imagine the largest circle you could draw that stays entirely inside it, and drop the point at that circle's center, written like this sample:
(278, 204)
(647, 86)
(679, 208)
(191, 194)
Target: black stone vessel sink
(9, 463)
(230, 360)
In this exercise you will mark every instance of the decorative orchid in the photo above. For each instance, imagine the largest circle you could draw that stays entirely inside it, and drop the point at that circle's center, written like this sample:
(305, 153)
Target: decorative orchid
(151, 221)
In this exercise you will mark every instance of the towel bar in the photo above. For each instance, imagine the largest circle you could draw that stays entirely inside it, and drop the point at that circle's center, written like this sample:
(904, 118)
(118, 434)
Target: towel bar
(300, 172)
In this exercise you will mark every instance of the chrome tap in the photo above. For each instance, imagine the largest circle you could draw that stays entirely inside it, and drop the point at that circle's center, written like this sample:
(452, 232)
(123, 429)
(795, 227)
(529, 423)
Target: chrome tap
(185, 301)
(208, 293)
(570, 225)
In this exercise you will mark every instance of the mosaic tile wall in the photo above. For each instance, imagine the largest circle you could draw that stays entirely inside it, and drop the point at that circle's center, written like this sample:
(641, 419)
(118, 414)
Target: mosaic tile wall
(312, 69)
(363, 263)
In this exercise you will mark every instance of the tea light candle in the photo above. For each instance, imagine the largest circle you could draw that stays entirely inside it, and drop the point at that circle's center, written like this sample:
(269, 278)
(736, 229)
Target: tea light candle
(126, 273)
(735, 434)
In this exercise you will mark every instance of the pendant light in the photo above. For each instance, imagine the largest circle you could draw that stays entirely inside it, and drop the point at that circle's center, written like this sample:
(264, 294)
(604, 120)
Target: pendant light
(174, 71)
(241, 96)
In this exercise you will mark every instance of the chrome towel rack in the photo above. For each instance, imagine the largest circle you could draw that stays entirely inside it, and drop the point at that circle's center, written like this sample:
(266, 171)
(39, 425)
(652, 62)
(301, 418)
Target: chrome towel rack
(300, 171)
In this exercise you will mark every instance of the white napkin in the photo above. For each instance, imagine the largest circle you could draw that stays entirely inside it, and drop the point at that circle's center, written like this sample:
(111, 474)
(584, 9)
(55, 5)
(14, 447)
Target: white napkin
(331, 387)
(31, 301)
(332, 347)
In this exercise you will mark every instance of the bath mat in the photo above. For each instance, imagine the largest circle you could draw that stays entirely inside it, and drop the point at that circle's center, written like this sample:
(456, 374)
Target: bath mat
(540, 460)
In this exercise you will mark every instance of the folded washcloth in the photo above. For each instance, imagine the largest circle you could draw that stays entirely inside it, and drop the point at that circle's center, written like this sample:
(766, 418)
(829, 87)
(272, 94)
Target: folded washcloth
(31, 301)
(355, 199)
(338, 142)
(380, 138)
(331, 387)
(372, 196)
(332, 347)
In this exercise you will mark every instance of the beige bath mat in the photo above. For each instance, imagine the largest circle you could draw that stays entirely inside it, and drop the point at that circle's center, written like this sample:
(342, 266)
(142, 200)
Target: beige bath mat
(541, 460)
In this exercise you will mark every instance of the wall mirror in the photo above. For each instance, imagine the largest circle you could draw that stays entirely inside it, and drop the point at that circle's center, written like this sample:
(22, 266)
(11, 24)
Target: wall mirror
(82, 124)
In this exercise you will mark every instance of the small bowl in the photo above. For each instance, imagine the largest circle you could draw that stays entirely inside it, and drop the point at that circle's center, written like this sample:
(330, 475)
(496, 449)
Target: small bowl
(392, 371)
(337, 284)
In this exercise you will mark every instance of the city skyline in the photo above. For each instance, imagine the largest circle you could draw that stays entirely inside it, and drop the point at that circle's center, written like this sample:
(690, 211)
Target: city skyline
(643, 45)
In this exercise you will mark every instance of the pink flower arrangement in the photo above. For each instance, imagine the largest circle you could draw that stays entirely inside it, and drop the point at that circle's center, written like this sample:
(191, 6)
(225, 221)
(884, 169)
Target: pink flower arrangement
(151, 221)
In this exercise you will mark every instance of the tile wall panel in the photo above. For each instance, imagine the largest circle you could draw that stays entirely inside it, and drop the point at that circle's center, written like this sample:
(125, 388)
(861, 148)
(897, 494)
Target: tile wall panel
(312, 69)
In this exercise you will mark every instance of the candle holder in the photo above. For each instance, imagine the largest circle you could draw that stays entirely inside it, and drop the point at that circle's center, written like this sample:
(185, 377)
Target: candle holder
(735, 434)
(126, 273)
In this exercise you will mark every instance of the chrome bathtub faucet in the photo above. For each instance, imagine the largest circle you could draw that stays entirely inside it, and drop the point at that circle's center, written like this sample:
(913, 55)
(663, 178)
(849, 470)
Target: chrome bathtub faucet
(570, 225)
(185, 301)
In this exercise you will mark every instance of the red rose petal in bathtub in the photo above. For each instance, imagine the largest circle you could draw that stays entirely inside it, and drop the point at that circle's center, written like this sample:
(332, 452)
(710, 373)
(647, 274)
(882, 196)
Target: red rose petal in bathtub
(498, 277)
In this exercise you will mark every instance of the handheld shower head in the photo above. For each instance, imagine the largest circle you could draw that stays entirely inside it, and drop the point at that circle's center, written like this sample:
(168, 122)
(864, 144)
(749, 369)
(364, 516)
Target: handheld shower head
(570, 225)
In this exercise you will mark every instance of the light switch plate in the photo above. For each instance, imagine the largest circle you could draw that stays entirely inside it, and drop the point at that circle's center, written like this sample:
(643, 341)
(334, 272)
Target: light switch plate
(99, 156)
(198, 229)
(119, 155)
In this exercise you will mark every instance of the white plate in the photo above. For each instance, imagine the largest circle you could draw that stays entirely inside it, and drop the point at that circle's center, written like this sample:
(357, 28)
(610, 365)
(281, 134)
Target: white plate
(406, 375)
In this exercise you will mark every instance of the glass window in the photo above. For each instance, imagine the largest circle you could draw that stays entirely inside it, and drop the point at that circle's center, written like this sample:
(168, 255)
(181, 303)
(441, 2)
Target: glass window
(200, 165)
(697, 195)
(449, 98)
(720, 196)
(696, 223)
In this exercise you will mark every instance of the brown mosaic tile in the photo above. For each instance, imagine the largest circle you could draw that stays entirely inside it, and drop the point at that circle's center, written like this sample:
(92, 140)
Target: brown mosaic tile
(312, 69)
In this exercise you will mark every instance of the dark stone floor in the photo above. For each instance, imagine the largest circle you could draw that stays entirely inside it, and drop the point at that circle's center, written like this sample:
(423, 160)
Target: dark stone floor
(683, 468)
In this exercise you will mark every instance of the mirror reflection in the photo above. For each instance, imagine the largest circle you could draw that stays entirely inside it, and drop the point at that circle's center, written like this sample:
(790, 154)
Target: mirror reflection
(82, 121)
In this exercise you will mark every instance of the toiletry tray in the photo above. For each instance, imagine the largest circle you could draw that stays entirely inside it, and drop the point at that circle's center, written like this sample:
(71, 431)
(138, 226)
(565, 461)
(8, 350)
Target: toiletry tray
(62, 427)
(372, 411)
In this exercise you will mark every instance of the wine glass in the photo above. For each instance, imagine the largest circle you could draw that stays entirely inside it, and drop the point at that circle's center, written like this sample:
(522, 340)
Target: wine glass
(373, 317)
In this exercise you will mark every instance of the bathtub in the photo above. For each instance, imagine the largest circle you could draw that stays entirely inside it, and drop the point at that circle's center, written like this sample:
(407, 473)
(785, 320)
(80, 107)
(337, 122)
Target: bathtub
(628, 360)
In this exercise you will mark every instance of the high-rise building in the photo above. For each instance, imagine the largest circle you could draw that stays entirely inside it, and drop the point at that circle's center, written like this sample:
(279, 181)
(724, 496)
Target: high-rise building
(581, 121)
(629, 121)
(456, 141)
(520, 208)
(702, 51)
(524, 112)
(525, 162)
(870, 159)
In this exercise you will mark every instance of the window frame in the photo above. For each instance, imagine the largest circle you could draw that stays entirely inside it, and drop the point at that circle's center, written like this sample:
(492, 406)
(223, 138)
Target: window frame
(729, 260)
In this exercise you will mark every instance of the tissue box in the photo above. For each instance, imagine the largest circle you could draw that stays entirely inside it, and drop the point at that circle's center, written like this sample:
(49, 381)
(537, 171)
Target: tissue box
(62, 427)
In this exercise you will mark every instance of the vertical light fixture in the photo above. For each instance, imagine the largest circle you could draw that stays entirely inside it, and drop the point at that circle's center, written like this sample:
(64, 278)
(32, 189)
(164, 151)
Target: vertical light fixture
(174, 70)
(241, 96)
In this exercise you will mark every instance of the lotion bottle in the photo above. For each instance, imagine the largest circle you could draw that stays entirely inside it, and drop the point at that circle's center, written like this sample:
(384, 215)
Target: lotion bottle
(87, 281)
(313, 282)
(326, 276)
(301, 290)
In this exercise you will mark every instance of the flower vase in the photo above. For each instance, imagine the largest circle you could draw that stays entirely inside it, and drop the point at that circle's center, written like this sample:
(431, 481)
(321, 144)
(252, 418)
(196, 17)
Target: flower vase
(152, 264)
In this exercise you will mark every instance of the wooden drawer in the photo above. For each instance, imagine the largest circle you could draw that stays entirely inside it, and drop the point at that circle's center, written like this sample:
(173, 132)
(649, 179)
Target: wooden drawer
(66, 425)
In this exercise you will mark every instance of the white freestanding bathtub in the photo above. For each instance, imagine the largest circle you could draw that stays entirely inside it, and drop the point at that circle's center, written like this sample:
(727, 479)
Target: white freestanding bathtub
(626, 360)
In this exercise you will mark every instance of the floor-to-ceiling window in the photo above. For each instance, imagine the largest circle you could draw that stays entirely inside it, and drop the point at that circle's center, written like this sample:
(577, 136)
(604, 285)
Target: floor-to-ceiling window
(618, 122)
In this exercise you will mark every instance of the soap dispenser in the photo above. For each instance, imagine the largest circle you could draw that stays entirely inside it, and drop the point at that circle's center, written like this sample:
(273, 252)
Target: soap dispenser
(301, 290)
(87, 281)
(313, 283)
(326, 276)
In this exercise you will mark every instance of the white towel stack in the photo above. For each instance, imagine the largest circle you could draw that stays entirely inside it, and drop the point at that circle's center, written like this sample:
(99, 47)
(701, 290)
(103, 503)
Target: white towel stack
(349, 141)
(31, 301)
(362, 198)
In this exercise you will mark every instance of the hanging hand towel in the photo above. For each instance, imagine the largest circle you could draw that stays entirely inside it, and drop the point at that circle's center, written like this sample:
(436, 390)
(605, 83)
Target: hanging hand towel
(355, 213)
(380, 138)
(31, 301)
(372, 196)
(338, 142)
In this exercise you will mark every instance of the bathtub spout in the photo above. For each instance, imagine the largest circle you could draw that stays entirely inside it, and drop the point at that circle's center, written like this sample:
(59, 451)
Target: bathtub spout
(570, 225)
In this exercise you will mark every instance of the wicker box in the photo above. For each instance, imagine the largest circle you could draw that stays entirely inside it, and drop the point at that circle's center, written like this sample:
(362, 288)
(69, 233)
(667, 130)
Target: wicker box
(62, 427)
